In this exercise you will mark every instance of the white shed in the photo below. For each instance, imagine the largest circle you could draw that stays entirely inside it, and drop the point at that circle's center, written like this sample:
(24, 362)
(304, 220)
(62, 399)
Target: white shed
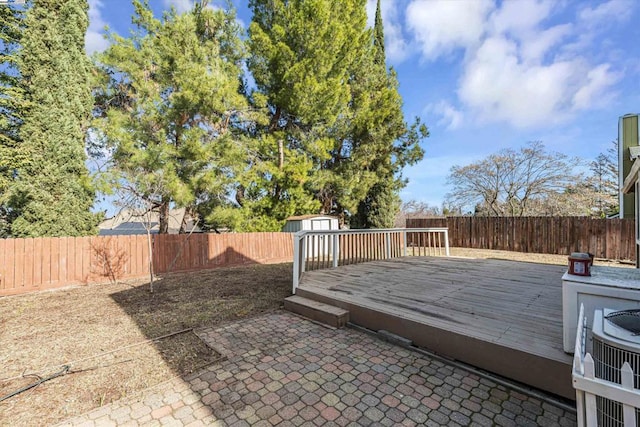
(319, 245)
(310, 222)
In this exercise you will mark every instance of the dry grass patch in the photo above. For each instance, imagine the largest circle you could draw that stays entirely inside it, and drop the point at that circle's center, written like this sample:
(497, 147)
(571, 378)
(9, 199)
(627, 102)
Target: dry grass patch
(525, 257)
(41, 332)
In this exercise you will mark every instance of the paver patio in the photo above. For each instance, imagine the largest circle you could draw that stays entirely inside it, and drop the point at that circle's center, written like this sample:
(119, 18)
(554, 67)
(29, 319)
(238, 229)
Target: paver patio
(286, 371)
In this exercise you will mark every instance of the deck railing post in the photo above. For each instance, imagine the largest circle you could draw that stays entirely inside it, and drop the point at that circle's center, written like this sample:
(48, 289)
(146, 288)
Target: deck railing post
(446, 241)
(296, 262)
(388, 243)
(405, 242)
(319, 249)
(303, 253)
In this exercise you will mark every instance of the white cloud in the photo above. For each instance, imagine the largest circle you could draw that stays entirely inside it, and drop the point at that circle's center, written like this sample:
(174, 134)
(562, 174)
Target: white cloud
(519, 17)
(597, 88)
(498, 86)
(606, 13)
(537, 44)
(396, 47)
(94, 39)
(181, 6)
(450, 117)
(441, 26)
(517, 67)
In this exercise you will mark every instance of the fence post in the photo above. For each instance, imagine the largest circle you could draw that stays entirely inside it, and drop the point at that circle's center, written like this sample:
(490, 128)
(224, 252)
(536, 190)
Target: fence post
(335, 250)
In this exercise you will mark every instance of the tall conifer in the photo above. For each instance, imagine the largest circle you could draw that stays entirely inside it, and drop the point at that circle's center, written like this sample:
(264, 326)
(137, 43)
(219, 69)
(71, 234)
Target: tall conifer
(53, 195)
(11, 25)
(302, 56)
(397, 144)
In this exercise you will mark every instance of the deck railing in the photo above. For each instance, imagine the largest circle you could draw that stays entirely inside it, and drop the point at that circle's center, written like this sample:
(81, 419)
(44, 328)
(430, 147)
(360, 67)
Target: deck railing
(589, 388)
(314, 250)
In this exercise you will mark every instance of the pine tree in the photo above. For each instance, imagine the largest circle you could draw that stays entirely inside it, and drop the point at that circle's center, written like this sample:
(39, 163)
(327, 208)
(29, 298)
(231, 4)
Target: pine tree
(168, 106)
(53, 194)
(11, 20)
(302, 53)
(336, 128)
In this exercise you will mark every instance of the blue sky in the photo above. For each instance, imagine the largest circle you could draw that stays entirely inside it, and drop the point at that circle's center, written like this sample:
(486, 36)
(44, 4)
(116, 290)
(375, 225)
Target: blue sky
(486, 74)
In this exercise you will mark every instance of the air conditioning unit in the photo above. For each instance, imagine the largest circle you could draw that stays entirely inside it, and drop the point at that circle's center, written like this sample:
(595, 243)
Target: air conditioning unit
(616, 340)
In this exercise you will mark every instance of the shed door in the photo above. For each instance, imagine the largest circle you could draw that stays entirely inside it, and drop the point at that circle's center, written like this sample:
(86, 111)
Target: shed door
(321, 224)
(320, 243)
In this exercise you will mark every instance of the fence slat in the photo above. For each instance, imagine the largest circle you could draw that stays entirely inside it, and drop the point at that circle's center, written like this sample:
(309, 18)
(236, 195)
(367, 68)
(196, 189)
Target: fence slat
(8, 277)
(590, 398)
(628, 412)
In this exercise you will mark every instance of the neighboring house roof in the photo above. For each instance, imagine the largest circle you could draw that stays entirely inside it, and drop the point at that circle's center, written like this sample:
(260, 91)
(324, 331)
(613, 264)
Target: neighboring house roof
(131, 222)
(302, 217)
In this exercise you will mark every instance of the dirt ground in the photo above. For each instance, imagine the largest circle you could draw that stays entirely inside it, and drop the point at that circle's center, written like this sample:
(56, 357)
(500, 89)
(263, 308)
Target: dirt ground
(94, 330)
(102, 333)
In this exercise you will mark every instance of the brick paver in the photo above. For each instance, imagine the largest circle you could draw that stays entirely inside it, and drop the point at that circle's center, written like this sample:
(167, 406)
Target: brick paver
(283, 370)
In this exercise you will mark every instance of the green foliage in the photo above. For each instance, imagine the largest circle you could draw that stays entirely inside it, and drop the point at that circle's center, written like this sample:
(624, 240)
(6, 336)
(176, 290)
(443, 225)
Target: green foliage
(169, 105)
(335, 125)
(52, 193)
(10, 111)
(384, 141)
(302, 52)
(302, 56)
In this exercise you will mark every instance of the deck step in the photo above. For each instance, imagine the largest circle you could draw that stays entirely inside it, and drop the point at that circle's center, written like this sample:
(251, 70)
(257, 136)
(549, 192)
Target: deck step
(318, 311)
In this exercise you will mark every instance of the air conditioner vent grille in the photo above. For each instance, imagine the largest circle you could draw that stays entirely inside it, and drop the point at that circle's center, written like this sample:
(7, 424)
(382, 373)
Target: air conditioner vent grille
(626, 319)
(608, 360)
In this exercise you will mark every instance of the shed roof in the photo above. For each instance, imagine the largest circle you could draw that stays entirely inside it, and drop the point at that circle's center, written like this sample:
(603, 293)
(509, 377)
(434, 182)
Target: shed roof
(309, 216)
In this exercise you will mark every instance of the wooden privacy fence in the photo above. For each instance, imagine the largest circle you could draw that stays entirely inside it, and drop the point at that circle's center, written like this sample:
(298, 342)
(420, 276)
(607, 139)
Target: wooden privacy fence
(605, 238)
(28, 265)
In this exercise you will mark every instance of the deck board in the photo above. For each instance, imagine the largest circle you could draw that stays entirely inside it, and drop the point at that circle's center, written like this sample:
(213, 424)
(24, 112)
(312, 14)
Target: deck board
(514, 305)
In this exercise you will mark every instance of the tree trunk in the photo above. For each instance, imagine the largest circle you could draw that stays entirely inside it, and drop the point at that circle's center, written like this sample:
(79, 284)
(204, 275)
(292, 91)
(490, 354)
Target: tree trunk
(240, 195)
(150, 245)
(273, 126)
(280, 154)
(163, 214)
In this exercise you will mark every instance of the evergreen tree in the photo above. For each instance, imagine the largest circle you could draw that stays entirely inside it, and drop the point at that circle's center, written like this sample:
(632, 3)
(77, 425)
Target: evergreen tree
(168, 105)
(380, 58)
(302, 54)
(53, 195)
(386, 134)
(11, 25)
(335, 125)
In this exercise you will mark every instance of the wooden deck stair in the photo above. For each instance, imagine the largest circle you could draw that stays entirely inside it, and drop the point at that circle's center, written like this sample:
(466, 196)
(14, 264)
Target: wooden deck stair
(317, 311)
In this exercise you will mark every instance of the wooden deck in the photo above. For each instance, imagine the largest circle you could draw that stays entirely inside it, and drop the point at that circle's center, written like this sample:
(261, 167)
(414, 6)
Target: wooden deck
(501, 316)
